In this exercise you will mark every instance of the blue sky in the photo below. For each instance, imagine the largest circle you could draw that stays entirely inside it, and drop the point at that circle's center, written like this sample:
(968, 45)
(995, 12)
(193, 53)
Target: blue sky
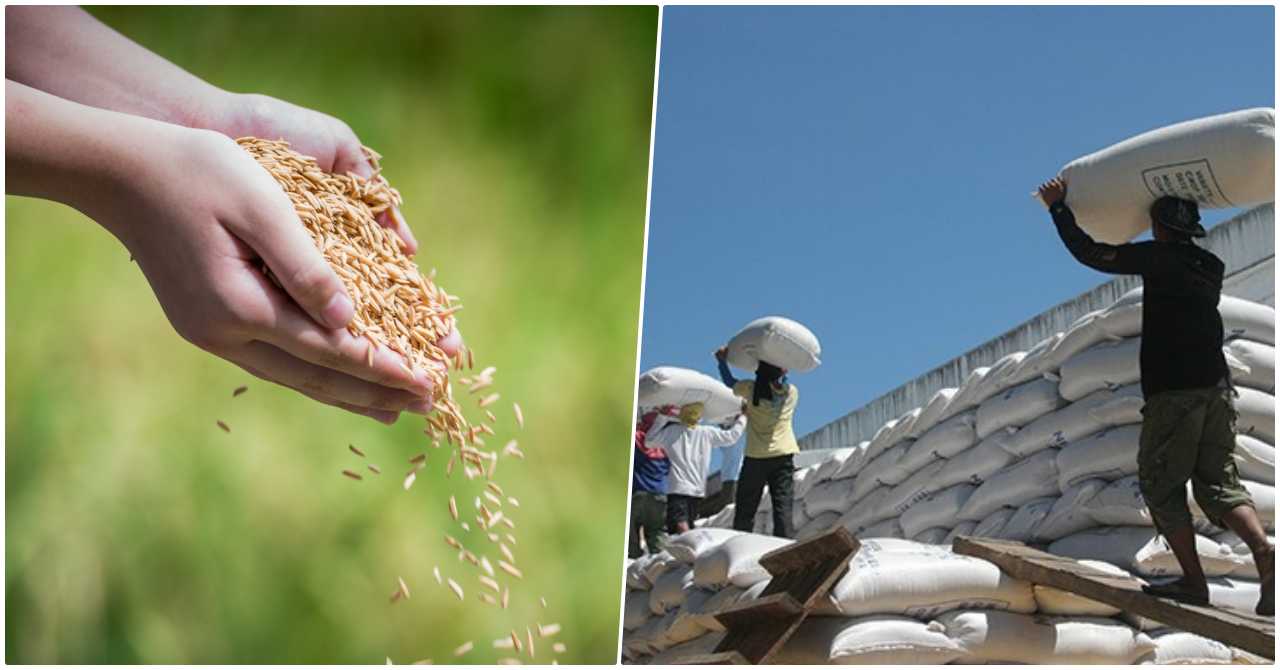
(866, 170)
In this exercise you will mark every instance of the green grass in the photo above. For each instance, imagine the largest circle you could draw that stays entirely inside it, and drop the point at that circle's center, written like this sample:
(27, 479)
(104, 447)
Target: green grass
(137, 532)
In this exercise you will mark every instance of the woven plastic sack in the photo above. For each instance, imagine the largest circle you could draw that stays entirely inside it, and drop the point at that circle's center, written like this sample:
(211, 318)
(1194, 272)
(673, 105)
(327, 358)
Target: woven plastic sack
(776, 340)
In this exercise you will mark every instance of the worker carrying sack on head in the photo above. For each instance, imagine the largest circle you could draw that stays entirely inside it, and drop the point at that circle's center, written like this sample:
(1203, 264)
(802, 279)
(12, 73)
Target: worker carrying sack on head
(688, 448)
(649, 471)
(1188, 430)
(771, 444)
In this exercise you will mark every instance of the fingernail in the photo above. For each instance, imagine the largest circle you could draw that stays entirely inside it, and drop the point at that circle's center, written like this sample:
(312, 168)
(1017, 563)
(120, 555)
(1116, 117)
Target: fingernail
(422, 406)
(387, 417)
(339, 311)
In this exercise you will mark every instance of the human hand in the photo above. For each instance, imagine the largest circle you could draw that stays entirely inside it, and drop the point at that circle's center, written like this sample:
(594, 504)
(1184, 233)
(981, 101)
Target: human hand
(329, 140)
(722, 353)
(201, 218)
(1052, 191)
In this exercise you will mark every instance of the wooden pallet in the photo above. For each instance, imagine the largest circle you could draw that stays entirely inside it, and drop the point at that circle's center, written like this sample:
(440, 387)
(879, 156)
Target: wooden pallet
(802, 574)
(1254, 634)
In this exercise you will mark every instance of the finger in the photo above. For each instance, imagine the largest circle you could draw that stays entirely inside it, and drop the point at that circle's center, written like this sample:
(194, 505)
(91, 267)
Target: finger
(289, 329)
(279, 366)
(381, 416)
(275, 233)
(393, 219)
(451, 344)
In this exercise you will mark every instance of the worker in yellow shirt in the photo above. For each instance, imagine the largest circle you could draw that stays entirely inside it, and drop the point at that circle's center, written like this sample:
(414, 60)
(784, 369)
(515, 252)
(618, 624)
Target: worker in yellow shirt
(771, 444)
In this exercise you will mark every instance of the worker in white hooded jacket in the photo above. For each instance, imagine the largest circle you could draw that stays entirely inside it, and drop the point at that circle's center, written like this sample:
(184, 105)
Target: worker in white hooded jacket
(688, 447)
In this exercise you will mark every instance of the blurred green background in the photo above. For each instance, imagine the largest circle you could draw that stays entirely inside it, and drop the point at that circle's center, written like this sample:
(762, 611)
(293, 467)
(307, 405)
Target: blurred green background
(138, 532)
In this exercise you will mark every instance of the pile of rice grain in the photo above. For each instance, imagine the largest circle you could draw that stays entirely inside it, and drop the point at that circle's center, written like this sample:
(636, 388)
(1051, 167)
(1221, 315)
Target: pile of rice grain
(397, 307)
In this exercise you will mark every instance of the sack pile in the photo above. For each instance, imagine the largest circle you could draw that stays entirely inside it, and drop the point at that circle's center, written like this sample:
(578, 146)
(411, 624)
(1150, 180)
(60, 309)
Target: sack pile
(902, 602)
(1040, 447)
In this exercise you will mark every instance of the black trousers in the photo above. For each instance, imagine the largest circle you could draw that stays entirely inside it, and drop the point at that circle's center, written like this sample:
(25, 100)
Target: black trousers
(681, 508)
(776, 473)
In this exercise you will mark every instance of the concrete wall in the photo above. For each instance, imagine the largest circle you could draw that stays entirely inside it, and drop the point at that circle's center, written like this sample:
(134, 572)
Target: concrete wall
(1245, 243)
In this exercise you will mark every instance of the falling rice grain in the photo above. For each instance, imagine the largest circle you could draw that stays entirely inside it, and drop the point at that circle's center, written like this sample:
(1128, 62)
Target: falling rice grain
(409, 478)
(515, 641)
(488, 567)
(490, 584)
(457, 590)
(374, 469)
(529, 638)
(355, 450)
(510, 569)
(488, 599)
(513, 501)
(436, 571)
(463, 648)
(492, 498)
(503, 643)
(453, 508)
(239, 390)
(452, 542)
(493, 486)
(558, 647)
(420, 458)
(489, 400)
(509, 661)
(506, 597)
(543, 600)
(548, 630)
(403, 587)
(354, 475)
(519, 414)
(223, 426)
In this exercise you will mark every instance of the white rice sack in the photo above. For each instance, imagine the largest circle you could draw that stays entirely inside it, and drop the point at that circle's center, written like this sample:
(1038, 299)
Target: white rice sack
(935, 535)
(705, 609)
(1119, 504)
(902, 427)
(889, 528)
(803, 480)
(1083, 417)
(1226, 160)
(1235, 593)
(834, 465)
(1083, 333)
(776, 340)
(1261, 360)
(638, 571)
(946, 439)
(853, 463)
(1257, 414)
(874, 640)
(913, 460)
(1109, 364)
(1255, 459)
(1067, 516)
(976, 464)
(923, 583)
(1246, 319)
(1019, 638)
(635, 610)
(736, 561)
(650, 638)
(817, 526)
(1027, 518)
(1035, 364)
(1109, 454)
(993, 524)
(668, 385)
(883, 468)
(1142, 551)
(1033, 477)
(1018, 406)
(1052, 601)
(962, 529)
(915, 489)
(1175, 647)
(965, 397)
(932, 412)
(688, 622)
(669, 590)
(998, 377)
(832, 496)
(660, 563)
(867, 511)
(939, 509)
(687, 547)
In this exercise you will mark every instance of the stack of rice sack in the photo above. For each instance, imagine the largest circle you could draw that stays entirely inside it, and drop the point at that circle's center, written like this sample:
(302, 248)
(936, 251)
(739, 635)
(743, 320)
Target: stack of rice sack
(902, 602)
(1040, 447)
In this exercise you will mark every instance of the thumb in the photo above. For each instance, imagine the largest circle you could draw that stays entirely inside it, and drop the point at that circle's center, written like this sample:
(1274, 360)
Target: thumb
(280, 239)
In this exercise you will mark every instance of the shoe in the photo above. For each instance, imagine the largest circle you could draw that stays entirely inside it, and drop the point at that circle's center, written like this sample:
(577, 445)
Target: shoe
(1267, 602)
(1179, 591)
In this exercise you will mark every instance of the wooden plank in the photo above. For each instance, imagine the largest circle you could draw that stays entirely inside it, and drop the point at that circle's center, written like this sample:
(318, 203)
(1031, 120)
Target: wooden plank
(801, 575)
(1252, 633)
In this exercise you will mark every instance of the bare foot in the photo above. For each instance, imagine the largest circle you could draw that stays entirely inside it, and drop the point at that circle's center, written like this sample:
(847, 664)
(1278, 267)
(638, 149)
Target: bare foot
(1266, 562)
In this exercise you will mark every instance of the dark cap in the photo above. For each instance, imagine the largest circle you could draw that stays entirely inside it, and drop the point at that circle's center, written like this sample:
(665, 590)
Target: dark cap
(1178, 215)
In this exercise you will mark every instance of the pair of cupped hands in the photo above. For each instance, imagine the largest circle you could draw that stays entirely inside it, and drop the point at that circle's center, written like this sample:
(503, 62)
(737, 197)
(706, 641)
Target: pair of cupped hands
(199, 216)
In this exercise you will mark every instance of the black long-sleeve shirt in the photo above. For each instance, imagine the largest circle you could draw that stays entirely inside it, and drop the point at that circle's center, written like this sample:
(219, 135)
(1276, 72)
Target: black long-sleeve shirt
(1182, 283)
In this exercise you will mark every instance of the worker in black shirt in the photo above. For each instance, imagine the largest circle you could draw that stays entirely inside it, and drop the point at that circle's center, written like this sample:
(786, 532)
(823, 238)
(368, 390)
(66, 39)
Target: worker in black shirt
(1188, 426)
